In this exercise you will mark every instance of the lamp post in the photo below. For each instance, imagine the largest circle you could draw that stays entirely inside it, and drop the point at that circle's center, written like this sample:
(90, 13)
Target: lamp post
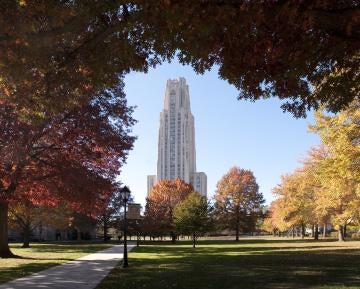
(125, 195)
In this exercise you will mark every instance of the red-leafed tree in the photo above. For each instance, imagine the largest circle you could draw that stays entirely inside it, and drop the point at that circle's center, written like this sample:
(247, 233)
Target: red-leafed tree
(160, 205)
(72, 157)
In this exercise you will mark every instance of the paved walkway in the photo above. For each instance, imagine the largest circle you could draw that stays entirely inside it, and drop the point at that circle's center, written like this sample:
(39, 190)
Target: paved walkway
(83, 273)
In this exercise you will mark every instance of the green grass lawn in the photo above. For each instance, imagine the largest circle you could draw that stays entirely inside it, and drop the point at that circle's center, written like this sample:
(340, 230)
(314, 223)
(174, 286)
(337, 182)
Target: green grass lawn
(41, 256)
(250, 263)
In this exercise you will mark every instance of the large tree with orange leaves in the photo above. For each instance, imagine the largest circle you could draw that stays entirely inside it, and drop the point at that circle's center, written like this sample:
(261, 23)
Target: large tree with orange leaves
(238, 202)
(160, 205)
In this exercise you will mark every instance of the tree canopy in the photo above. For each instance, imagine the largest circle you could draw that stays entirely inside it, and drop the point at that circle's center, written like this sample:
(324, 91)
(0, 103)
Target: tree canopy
(73, 157)
(160, 205)
(326, 188)
(54, 54)
(238, 202)
(339, 172)
(192, 216)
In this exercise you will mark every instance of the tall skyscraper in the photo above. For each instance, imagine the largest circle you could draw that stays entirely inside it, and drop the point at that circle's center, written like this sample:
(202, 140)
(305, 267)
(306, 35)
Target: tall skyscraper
(176, 145)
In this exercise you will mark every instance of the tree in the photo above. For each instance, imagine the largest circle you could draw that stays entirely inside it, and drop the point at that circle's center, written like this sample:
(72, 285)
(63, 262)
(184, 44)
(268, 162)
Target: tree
(339, 172)
(105, 217)
(297, 199)
(56, 53)
(269, 48)
(25, 217)
(83, 225)
(62, 53)
(161, 202)
(314, 190)
(191, 216)
(326, 188)
(110, 210)
(237, 200)
(274, 220)
(71, 158)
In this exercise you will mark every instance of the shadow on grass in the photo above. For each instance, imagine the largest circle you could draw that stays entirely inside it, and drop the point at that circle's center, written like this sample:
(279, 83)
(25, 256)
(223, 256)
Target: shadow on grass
(41, 256)
(226, 268)
(20, 271)
(40, 259)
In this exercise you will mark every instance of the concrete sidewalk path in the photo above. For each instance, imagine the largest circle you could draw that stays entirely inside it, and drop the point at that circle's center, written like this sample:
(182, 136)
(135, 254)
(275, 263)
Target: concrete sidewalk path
(83, 273)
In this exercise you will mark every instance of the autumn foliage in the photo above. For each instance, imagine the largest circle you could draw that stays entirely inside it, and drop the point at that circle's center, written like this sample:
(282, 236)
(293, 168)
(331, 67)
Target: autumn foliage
(70, 158)
(54, 54)
(160, 205)
(238, 202)
(325, 189)
(64, 121)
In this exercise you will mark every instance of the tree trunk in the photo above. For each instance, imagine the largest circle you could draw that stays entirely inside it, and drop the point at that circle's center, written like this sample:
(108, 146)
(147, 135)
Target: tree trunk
(341, 233)
(194, 240)
(293, 232)
(173, 237)
(26, 240)
(313, 231)
(344, 229)
(302, 231)
(105, 232)
(237, 229)
(40, 231)
(316, 232)
(324, 231)
(4, 243)
(78, 237)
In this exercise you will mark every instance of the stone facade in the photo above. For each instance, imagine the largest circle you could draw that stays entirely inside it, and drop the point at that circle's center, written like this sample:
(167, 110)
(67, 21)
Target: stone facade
(176, 143)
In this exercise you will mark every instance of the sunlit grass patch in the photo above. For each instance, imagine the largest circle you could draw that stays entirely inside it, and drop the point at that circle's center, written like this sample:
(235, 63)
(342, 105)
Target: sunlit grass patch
(250, 263)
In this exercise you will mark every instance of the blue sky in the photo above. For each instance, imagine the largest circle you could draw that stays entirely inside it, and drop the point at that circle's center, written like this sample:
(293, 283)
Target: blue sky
(252, 135)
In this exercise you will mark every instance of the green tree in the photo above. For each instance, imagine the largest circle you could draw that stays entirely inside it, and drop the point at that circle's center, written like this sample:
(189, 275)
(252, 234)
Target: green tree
(238, 202)
(192, 216)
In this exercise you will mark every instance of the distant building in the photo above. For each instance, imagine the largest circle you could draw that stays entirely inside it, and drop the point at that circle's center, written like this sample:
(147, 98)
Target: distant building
(176, 144)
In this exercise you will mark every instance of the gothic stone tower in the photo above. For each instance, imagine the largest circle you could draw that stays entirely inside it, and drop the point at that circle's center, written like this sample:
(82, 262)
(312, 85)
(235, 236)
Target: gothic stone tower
(176, 144)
